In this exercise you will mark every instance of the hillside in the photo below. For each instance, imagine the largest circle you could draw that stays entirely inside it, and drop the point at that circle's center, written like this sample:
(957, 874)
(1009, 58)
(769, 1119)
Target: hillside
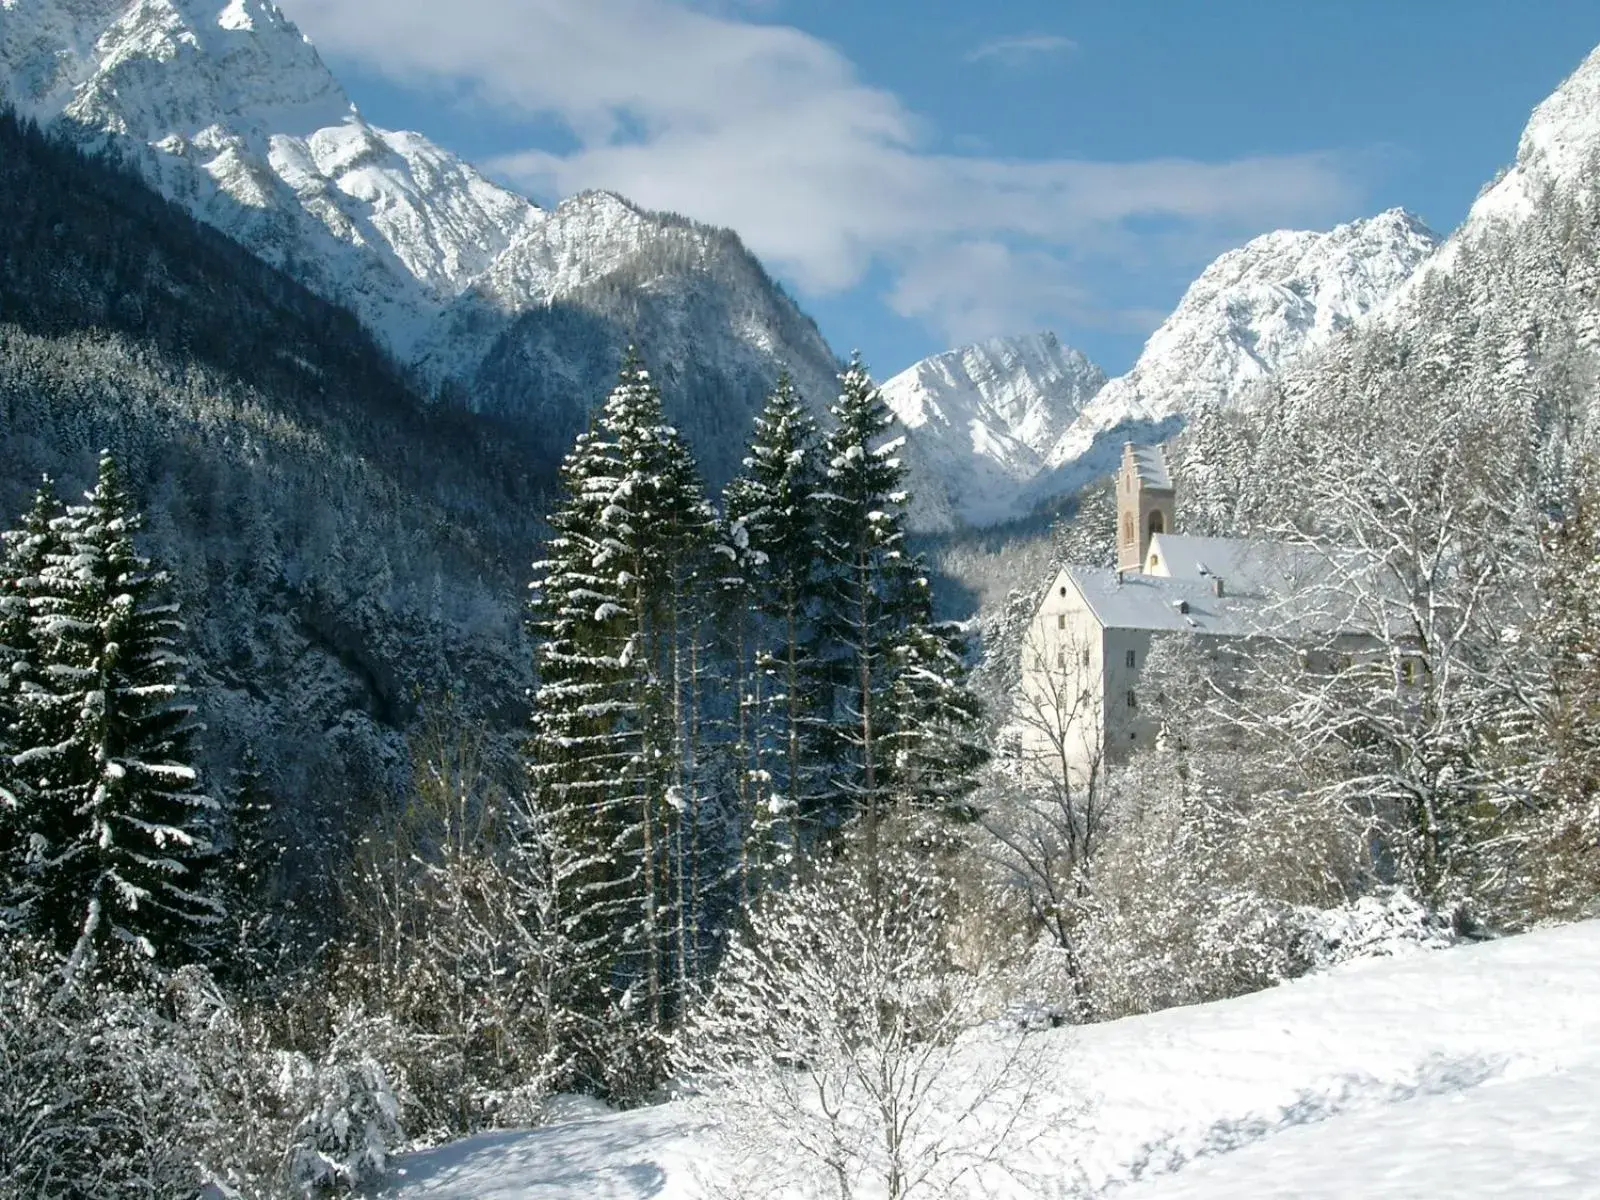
(1467, 1072)
(343, 550)
(1497, 333)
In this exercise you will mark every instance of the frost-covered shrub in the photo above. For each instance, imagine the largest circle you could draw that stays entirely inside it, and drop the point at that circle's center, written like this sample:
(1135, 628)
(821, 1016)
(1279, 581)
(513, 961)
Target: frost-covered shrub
(828, 1054)
(96, 1097)
(454, 948)
(1150, 948)
(166, 1089)
(243, 1111)
(349, 1127)
(1197, 886)
(1377, 926)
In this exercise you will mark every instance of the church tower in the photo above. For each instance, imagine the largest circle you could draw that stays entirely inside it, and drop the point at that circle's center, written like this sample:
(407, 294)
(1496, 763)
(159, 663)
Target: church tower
(1147, 504)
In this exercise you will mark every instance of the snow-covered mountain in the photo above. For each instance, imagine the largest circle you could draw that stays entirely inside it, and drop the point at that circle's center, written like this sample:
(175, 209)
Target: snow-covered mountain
(980, 420)
(226, 108)
(1251, 313)
(1557, 156)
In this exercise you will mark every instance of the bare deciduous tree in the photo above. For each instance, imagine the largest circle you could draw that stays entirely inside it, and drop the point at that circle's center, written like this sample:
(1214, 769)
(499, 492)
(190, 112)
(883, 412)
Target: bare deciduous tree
(1048, 810)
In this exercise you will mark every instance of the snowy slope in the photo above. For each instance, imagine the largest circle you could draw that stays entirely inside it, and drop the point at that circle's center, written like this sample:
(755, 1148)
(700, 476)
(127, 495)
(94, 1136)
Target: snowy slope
(1471, 1072)
(1249, 314)
(982, 418)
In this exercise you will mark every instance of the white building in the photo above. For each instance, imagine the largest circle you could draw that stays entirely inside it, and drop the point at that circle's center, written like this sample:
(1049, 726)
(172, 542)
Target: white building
(1086, 648)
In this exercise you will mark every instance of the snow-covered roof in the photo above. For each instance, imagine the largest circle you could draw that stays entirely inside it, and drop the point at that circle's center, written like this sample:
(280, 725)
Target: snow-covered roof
(1268, 589)
(1247, 566)
(1158, 604)
(1150, 465)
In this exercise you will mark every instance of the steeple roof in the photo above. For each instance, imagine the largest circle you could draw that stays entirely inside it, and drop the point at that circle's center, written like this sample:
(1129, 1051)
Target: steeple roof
(1149, 465)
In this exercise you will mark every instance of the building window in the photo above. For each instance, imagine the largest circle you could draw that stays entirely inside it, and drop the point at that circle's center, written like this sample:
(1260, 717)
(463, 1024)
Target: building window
(1158, 523)
(1127, 528)
(1133, 659)
(1086, 656)
(1133, 700)
(1061, 620)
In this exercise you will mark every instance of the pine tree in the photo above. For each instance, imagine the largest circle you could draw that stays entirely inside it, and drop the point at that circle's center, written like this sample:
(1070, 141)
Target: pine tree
(25, 552)
(615, 757)
(125, 863)
(255, 938)
(935, 716)
(866, 601)
(582, 746)
(771, 512)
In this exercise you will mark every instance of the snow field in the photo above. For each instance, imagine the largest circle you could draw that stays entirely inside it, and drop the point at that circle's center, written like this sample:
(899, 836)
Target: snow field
(1470, 1072)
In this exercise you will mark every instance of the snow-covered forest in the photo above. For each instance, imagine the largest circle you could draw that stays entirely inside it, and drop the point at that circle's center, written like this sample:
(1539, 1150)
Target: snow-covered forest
(388, 759)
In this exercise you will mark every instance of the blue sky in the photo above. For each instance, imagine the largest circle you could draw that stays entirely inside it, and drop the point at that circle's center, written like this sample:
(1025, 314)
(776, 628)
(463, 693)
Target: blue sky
(924, 172)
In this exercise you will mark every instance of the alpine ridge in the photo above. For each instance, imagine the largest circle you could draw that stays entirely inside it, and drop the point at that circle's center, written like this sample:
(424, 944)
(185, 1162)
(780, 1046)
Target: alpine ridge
(228, 110)
(1251, 313)
(1001, 427)
(980, 420)
(1556, 157)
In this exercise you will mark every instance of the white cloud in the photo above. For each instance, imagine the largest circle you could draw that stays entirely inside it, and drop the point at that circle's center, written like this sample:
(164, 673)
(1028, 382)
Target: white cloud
(1019, 49)
(770, 131)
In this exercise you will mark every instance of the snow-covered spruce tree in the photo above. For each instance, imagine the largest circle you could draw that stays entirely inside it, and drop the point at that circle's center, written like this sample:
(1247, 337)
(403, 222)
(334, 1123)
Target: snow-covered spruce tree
(935, 719)
(1562, 874)
(613, 764)
(255, 934)
(864, 605)
(773, 562)
(583, 740)
(23, 553)
(124, 868)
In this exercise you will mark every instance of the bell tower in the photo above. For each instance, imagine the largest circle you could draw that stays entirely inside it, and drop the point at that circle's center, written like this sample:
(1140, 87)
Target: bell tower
(1147, 503)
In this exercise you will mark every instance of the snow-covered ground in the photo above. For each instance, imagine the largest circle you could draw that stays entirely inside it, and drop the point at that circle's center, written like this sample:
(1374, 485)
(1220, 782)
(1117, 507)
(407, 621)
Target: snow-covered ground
(1470, 1072)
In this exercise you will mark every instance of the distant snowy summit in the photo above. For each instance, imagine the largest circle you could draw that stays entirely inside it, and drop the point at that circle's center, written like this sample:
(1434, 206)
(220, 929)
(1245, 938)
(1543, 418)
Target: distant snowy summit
(980, 420)
(227, 109)
(1008, 423)
(1249, 314)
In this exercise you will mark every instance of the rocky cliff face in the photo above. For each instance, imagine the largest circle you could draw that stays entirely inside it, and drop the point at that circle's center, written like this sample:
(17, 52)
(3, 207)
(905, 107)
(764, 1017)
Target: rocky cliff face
(980, 421)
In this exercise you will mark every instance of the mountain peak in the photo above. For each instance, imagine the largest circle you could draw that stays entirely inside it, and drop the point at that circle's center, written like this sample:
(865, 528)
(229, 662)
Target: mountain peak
(225, 106)
(1558, 146)
(1252, 311)
(1557, 151)
(1562, 134)
(980, 418)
